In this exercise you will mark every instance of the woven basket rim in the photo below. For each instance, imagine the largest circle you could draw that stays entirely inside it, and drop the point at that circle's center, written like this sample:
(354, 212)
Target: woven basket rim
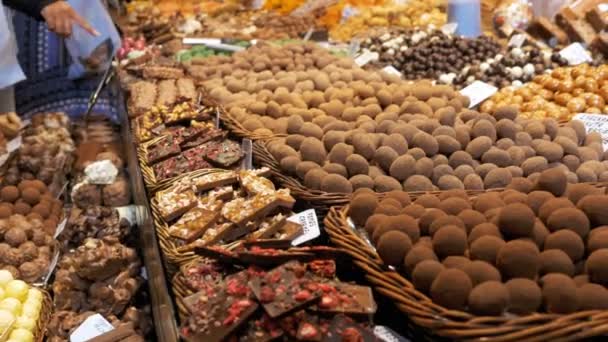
(452, 323)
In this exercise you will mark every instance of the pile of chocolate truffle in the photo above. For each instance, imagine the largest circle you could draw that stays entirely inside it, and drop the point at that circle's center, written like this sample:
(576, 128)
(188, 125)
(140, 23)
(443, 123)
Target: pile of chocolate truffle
(538, 247)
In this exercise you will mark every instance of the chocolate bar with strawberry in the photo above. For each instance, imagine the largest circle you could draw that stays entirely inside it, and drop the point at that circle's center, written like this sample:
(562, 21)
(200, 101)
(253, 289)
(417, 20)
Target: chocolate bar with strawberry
(285, 289)
(344, 329)
(162, 149)
(345, 298)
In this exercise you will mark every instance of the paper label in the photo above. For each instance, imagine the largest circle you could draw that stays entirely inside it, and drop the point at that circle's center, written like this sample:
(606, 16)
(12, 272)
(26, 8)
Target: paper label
(603, 7)
(449, 28)
(310, 226)
(595, 123)
(129, 213)
(353, 47)
(92, 327)
(517, 40)
(14, 144)
(366, 57)
(389, 69)
(575, 54)
(247, 147)
(25, 123)
(201, 41)
(388, 335)
(478, 91)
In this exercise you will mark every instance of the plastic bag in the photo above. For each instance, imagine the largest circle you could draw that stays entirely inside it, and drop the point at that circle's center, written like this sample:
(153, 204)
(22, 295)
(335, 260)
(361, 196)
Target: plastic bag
(92, 55)
(9, 67)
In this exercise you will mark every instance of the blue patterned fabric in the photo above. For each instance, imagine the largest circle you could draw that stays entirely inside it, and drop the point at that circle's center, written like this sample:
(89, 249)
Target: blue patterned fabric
(44, 61)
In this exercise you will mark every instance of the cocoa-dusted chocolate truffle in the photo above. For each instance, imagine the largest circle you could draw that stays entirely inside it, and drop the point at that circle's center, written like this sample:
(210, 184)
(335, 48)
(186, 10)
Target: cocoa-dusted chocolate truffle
(490, 298)
(481, 271)
(428, 201)
(413, 210)
(518, 259)
(6, 210)
(403, 223)
(400, 196)
(38, 184)
(22, 208)
(386, 183)
(576, 192)
(537, 198)
(425, 273)
(594, 207)
(521, 184)
(569, 218)
(451, 289)
(488, 201)
(454, 205)
(30, 195)
(525, 296)
(552, 205)
(336, 183)
(444, 221)
(483, 229)
(393, 246)
(362, 207)
(417, 254)
(595, 241)
(15, 236)
(361, 182)
(429, 216)
(559, 293)
(596, 267)
(471, 218)
(456, 261)
(592, 297)
(418, 183)
(486, 248)
(450, 240)
(42, 209)
(392, 202)
(516, 220)
(387, 210)
(555, 261)
(553, 180)
(567, 241)
(374, 222)
(9, 193)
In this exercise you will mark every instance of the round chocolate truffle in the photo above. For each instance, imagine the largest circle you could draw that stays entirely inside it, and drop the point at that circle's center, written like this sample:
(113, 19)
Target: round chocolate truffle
(569, 218)
(451, 289)
(401, 196)
(594, 207)
(525, 296)
(483, 229)
(450, 240)
(516, 220)
(490, 298)
(518, 259)
(537, 198)
(454, 205)
(373, 222)
(31, 195)
(567, 241)
(393, 246)
(427, 219)
(9, 193)
(559, 293)
(428, 201)
(596, 267)
(425, 273)
(471, 218)
(417, 254)
(552, 205)
(596, 241)
(553, 180)
(555, 261)
(362, 207)
(592, 297)
(456, 261)
(443, 221)
(486, 248)
(481, 271)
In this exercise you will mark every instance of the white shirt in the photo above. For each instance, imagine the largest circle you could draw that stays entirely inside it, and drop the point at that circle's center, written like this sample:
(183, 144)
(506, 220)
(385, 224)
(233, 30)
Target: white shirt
(10, 71)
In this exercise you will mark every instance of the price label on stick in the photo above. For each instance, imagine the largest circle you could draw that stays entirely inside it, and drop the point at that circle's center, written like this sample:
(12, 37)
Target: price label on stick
(595, 123)
(389, 69)
(477, 92)
(310, 226)
(366, 57)
(449, 28)
(575, 54)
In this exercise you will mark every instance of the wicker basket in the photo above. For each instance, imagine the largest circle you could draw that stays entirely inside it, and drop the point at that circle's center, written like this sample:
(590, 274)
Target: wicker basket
(235, 127)
(451, 323)
(181, 291)
(45, 316)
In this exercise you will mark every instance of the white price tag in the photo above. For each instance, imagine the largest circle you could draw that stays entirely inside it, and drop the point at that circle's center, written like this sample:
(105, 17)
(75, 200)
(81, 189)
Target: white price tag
(575, 54)
(478, 91)
(13, 144)
(517, 40)
(310, 226)
(389, 69)
(366, 57)
(92, 327)
(201, 41)
(449, 28)
(388, 335)
(595, 123)
(247, 147)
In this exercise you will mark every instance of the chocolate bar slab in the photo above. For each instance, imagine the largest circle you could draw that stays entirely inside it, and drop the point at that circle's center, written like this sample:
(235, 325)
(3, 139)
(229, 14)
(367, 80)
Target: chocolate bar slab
(344, 329)
(285, 289)
(348, 299)
(193, 224)
(268, 257)
(261, 329)
(162, 149)
(214, 180)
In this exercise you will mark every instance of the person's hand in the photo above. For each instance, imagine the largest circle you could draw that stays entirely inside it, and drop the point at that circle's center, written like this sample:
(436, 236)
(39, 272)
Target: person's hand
(60, 17)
